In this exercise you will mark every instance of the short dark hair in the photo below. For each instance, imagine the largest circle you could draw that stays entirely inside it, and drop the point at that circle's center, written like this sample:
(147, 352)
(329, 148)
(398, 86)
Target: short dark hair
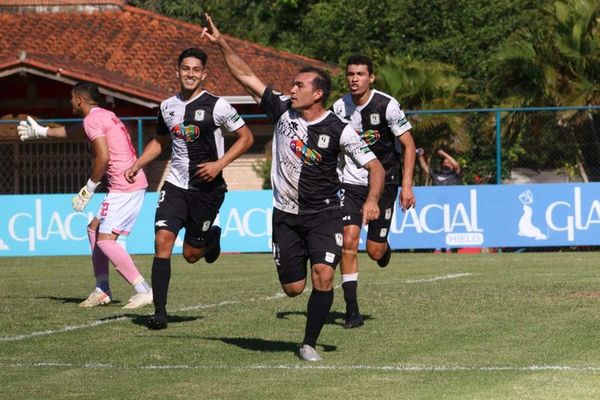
(359, 59)
(90, 89)
(322, 81)
(193, 52)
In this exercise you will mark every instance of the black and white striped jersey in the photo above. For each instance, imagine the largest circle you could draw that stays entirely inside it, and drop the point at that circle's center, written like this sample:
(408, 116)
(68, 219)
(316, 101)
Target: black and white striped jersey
(305, 156)
(378, 122)
(195, 129)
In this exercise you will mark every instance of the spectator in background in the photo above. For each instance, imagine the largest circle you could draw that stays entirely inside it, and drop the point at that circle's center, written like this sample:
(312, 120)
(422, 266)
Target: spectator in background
(449, 174)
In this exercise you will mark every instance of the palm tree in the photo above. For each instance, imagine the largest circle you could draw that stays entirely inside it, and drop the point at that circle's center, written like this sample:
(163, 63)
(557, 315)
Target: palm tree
(554, 63)
(429, 85)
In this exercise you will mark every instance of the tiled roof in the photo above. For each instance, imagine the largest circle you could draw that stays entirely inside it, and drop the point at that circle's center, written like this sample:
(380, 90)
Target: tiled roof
(130, 51)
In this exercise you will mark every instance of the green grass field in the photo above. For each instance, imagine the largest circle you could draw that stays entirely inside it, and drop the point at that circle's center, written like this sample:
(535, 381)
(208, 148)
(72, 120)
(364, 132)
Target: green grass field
(486, 326)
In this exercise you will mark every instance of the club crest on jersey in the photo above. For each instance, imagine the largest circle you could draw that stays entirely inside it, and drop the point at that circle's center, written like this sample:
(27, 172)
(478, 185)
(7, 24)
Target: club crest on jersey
(305, 153)
(388, 213)
(375, 119)
(323, 142)
(199, 115)
(370, 136)
(187, 133)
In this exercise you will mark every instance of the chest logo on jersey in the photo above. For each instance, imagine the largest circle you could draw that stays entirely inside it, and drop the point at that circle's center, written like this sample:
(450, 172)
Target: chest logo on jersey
(187, 133)
(323, 142)
(370, 136)
(199, 115)
(375, 119)
(305, 153)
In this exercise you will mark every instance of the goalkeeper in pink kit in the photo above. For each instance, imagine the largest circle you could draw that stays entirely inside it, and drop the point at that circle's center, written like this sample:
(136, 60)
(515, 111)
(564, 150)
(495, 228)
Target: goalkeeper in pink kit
(113, 155)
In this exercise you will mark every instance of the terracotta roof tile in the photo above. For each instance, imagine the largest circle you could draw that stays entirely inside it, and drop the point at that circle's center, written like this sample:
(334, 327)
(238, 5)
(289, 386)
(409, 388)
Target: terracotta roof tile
(132, 51)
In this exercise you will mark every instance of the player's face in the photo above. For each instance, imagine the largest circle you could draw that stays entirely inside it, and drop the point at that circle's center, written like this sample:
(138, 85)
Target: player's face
(303, 94)
(76, 104)
(191, 74)
(446, 164)
(358, 78)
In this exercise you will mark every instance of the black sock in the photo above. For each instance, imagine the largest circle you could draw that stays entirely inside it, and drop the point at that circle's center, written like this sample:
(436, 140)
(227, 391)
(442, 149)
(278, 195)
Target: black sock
(318, 308)
(161, 275)
(350, 296)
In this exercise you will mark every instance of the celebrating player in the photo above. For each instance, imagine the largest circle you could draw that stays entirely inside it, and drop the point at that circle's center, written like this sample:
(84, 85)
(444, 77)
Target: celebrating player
(378, 119)
(194, 189)
(307, 220)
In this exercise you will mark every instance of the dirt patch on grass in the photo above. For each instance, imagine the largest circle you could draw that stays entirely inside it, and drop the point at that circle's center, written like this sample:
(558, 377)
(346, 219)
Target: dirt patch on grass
(587, 293)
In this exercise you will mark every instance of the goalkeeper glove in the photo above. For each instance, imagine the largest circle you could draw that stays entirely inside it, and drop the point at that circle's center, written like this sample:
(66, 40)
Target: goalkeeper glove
(84, 195)
(31, 130)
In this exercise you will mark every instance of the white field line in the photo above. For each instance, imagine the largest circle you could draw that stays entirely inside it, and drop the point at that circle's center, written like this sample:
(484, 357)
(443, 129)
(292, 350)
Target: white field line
(122, 318)
(189, 308)
(393, 368)
(439, 278)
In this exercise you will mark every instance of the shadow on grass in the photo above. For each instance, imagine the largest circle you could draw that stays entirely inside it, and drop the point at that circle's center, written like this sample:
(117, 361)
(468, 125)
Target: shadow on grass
(70, 300)
(334, 317)
(267, 345)
(171, 319)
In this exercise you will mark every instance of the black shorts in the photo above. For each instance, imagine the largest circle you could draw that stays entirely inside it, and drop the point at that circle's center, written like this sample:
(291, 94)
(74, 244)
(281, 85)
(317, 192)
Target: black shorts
(352, 199)
(194, 210)
(299, 238)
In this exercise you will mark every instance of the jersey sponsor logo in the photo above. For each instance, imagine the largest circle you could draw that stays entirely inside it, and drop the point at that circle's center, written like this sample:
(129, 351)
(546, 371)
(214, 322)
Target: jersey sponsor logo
(370, 136)
(199, 115)
(305, 153)
(323, 142)
(187, 133)
(375, 119)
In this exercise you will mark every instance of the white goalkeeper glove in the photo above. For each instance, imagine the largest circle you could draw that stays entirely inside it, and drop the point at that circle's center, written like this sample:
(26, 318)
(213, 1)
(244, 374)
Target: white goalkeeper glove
(31, 130)
(84, 195)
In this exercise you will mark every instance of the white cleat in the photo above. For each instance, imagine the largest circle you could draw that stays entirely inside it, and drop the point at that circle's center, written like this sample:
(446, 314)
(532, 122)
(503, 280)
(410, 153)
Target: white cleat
(308, 353)
(96, 299)
(139, 300)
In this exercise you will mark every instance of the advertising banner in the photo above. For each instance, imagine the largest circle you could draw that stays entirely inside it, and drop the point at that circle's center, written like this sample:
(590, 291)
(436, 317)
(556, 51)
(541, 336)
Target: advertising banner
(445, 217)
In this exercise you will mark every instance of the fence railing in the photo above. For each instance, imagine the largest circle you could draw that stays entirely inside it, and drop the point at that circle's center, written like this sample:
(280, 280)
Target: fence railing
(490, 143)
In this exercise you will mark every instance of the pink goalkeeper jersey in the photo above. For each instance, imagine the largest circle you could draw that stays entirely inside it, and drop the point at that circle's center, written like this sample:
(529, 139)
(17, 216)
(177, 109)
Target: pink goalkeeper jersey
(101, 122)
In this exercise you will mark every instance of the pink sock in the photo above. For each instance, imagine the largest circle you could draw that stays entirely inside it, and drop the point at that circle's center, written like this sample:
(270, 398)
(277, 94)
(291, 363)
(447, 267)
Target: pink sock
(99, 259)
(120, 259)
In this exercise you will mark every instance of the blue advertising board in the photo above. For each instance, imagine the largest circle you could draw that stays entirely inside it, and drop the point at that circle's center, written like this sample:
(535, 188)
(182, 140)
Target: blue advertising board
(451, 216)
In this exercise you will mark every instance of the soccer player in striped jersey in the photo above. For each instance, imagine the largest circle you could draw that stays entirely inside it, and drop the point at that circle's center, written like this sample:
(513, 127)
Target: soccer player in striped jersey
(378, 119)
(194, 191)
(307, 220)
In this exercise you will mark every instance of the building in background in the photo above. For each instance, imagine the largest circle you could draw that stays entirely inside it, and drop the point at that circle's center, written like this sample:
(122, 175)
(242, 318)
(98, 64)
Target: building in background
(131, 54)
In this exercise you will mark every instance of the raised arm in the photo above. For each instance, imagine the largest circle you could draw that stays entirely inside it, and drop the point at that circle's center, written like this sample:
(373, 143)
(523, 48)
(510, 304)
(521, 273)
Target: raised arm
(423, 161)
(238, 67)
(451, 160)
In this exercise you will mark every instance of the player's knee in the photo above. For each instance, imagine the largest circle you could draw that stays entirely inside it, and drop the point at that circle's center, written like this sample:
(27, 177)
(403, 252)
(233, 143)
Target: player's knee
(163, 244)
(377, 251)
(322, 276)
(293, 289)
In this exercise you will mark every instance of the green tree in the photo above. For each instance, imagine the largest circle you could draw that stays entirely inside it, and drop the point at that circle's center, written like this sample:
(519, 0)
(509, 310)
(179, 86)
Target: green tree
(555, 63)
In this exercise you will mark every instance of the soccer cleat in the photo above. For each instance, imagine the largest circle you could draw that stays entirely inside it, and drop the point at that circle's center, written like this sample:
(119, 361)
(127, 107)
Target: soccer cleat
(157, 321)
(353, 320)
(213, 250)
(308, 353)
(96, 299)
(385, 260)
(139, 300)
